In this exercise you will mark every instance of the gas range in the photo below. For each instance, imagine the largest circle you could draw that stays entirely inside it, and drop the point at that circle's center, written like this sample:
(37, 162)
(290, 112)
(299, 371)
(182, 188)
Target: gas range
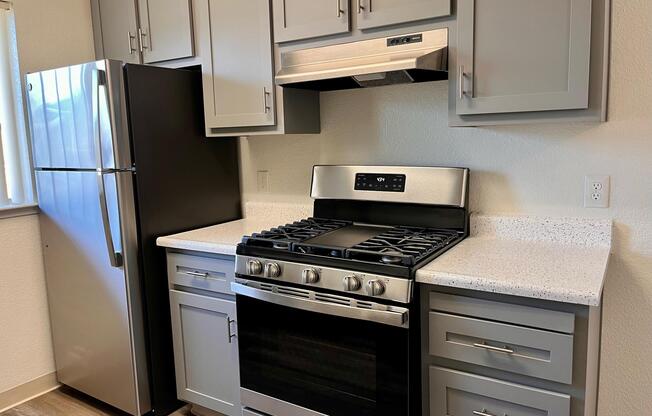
(365, 241)
(326, 306)
(313, 244)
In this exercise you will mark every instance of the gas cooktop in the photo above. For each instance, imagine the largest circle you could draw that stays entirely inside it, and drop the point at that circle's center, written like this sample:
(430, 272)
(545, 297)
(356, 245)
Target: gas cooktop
(393, 245)
(372, 228)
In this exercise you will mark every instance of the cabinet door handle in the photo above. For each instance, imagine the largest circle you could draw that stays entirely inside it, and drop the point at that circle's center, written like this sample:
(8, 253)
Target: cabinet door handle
(495, 349)
(130, 39)
(141, 42)
(265, 95)
(461, 74)
(482, 413)
(360, 7)
(340, 12)
(231, 335)
(196, 274)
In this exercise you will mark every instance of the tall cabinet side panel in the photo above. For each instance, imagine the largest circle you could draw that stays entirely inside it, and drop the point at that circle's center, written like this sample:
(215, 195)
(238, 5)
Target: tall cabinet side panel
(183, 181)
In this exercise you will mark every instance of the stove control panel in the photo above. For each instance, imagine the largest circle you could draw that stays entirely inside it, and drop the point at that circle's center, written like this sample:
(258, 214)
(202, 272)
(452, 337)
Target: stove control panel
(318, 277)
(379, 182)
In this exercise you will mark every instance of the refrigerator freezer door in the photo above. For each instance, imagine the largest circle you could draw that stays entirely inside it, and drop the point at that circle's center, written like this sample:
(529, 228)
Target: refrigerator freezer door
(78, 117)
(94, 306)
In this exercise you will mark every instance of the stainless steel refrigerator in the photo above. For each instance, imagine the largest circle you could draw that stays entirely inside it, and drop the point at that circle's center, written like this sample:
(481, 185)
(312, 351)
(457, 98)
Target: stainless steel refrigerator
(120, 158)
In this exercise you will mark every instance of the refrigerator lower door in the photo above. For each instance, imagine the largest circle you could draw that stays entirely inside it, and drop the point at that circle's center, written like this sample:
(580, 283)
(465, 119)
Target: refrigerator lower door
(78, 117)
(94, 306)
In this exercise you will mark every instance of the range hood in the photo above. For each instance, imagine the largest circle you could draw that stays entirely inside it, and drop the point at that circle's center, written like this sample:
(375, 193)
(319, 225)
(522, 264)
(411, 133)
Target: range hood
(416, 57)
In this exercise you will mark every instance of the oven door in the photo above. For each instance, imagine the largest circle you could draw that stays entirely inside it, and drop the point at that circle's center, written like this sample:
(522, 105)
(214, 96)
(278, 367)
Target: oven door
(307, 353)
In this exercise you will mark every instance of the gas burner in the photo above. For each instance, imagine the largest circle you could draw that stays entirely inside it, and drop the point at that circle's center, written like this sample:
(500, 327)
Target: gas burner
(402, 245)
(392, 257)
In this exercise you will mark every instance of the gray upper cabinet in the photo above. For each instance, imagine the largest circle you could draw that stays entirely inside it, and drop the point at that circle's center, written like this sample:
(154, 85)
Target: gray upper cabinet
(522, 56)
(165, 30)
(241, 85)
(205, 351)
(115, 27)
(301, 19)
(377, 13)
(143, 31)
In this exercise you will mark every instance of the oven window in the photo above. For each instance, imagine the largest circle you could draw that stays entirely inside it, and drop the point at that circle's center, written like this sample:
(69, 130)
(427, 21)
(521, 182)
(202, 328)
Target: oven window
(332, 365)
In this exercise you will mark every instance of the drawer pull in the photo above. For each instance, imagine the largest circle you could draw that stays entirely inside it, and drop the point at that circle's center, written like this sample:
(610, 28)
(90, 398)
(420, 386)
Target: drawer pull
(482, 413)
(495, 349)
(197, 274)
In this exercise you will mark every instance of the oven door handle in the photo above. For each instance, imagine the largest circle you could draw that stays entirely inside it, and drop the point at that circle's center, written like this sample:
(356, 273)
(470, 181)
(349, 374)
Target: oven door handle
(396, 317)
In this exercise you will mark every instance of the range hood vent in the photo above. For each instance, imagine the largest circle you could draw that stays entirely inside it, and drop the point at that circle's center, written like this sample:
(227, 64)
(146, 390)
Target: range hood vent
(403, 59)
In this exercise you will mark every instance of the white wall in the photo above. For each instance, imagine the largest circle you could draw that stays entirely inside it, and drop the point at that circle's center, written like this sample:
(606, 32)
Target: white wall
(25, 344)
(50, 34)
(537, 169)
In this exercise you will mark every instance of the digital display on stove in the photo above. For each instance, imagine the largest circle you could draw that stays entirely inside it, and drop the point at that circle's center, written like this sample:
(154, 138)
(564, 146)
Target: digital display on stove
(379, 182)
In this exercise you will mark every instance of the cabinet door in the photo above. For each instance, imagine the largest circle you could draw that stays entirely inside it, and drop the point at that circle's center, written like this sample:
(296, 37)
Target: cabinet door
(118, 28)
(301, 19)
(241, 64)
(455, 393)
(206, 351)
(377, 13)
(522, 55)
(166, 29)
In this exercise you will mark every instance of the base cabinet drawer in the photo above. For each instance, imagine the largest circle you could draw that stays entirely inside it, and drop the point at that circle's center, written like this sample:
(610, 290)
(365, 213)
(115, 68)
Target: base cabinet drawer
(542, 354)
(455, 393)
(214, 274)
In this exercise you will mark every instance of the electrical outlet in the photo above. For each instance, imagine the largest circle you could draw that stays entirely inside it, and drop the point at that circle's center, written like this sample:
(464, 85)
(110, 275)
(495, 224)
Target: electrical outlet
(262, 179)
(597, 189)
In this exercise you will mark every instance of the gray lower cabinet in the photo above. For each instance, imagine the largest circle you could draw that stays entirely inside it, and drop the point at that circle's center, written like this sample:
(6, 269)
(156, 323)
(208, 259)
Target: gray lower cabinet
(455, 393)
(301, 19)
(241, 90)
(165, 30)
(497, 355)
(204, 330)
(115, 28)
(377, 13)
(206, 351)
(522, 55)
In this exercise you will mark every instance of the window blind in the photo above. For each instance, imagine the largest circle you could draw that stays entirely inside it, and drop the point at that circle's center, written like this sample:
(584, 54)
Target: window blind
(15, 176)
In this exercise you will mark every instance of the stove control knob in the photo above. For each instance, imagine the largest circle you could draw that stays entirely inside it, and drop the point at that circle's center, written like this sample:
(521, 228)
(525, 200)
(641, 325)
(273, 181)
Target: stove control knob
(375, 288)
(254, 267)
(351, 283)
(272, 270)
(310, 276)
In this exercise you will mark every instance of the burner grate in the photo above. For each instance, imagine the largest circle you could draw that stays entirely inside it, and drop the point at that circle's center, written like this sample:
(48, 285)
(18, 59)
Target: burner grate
(402, 245)
(283, 237)
(398, 246)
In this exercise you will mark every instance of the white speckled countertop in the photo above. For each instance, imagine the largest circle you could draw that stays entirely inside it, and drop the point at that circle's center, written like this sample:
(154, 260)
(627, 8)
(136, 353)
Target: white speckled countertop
(223, 238)
(557, 259)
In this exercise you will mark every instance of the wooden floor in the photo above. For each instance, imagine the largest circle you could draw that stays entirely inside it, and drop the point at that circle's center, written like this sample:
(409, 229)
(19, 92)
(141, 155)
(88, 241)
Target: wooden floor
(65, 402)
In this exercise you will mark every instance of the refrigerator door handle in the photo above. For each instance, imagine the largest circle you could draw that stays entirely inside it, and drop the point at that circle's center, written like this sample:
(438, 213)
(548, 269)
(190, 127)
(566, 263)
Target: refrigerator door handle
(100, 81)
(115, 257)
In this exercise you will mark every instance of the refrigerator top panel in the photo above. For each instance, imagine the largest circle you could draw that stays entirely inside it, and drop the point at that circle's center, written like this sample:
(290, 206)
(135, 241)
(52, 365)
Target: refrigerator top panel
(78, 117)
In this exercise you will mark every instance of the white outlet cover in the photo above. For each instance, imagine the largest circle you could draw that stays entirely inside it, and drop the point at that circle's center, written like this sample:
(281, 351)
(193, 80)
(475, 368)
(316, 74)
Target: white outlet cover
(262, 181)
(597, 191)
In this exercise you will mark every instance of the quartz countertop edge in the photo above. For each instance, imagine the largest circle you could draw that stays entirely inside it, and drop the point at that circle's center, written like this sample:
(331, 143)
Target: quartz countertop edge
(224, 238)
(557, 259)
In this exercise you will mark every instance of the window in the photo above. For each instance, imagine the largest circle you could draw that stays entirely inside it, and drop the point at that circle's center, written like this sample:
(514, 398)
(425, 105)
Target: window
(16, 187)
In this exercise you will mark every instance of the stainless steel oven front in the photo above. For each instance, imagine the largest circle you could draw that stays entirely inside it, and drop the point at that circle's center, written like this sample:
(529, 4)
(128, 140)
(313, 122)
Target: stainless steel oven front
(310, 353)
